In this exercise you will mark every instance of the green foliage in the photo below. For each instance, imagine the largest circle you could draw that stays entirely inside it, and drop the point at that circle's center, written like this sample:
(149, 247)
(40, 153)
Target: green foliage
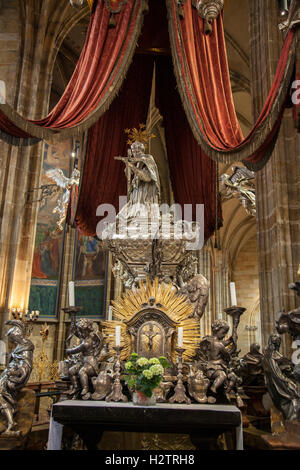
(145, 374)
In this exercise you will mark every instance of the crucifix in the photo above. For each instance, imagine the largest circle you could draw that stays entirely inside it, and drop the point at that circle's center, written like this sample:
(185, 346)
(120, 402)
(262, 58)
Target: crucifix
(150, 334)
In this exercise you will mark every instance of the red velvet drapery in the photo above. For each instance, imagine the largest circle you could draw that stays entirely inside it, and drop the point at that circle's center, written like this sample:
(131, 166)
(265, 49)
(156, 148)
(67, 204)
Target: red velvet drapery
(201, 68)
(98, 75)
(103, 179)
(193, 174)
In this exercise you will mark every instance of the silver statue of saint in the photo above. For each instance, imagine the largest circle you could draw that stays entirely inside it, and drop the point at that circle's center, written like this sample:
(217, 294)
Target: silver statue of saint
(143, 183)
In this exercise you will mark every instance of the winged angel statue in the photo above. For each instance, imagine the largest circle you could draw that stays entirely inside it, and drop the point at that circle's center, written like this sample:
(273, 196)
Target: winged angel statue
(57, 175)
(240, 185)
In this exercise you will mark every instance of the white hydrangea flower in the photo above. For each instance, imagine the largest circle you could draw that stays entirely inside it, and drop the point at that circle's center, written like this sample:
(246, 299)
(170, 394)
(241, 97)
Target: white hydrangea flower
(142, 361)
(154, 360)
(157, 369)
(147, 373)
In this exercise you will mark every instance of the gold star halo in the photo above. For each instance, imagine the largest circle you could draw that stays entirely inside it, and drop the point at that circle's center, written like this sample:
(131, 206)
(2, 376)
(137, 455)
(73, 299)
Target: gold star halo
(139, 135)
(175, 306)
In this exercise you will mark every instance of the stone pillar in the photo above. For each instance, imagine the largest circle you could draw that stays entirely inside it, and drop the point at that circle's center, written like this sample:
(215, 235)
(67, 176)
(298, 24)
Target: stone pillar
(204, 268)
(39, 29)
(67, 275)
(278, 183)
(10, 42)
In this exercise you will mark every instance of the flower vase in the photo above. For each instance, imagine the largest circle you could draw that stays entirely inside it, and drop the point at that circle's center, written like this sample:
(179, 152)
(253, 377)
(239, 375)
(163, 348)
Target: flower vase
(140, 399)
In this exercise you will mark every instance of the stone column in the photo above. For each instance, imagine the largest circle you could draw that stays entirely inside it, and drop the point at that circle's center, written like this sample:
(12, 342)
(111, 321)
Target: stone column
(39, 29)
(204, 268)
(278, 183)
(67, 275)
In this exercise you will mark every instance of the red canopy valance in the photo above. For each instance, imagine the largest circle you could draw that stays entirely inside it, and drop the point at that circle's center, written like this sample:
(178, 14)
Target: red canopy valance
(201, 69)
(100, 71)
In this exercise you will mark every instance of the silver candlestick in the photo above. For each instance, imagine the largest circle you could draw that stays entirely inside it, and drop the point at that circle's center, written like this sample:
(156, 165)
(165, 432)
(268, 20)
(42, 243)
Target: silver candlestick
(179, 395)
(73, 313)
(235, 313)
(116, 392)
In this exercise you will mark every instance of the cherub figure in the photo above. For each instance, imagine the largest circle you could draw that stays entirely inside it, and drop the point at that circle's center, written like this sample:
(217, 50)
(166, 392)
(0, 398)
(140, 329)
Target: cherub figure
(88, 359)
(214, 349)
(197, 291)
(216, 359)
(16, 374)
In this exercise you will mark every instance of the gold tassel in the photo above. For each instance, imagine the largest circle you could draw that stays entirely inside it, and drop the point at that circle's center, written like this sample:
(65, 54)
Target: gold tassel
(112, 22)
(207, 27)
(180, 11)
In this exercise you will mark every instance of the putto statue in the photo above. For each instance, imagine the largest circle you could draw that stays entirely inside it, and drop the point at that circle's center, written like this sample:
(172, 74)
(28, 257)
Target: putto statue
(195, 286)
(88, 357)
(217, 359)
(16, 374)
(290, 322)
(197, 291)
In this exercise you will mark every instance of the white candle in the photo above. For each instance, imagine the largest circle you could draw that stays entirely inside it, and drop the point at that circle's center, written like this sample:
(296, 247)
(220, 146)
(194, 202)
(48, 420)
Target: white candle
(180, 337)
(233, 294)
(110, 312)
(118, 335)
(71, 294)
(2, 92)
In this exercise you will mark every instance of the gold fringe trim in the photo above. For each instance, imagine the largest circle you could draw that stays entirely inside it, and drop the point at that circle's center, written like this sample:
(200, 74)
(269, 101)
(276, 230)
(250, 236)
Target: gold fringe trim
(245, 150)
(11, 140)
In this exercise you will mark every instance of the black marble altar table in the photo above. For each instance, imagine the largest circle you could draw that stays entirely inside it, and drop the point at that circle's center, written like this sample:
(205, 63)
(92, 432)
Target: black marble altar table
(89, 419)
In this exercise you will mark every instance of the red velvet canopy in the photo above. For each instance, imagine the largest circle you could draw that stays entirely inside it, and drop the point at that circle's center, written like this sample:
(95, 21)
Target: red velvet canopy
(193, 174)
(103, 179)
(99, 73)
(200, 60)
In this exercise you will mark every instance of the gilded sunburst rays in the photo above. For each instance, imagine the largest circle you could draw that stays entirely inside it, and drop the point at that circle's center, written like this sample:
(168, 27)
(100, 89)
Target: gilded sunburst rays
(165, 298)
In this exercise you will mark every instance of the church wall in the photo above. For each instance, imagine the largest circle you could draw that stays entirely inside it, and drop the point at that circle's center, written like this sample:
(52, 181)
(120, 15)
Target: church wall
(10, 39)
(245, 276)
(9, 47)
(31, 33)
(277, 184)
